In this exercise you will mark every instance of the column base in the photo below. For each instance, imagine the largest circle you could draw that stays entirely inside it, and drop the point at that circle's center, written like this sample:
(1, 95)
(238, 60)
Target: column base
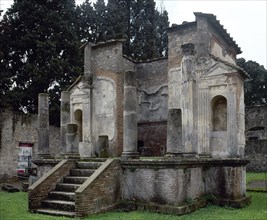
(181, 155)
(45, 156)
(72, 156)
(130, 155)
(204, 155)
(190, 155)
(172, 155)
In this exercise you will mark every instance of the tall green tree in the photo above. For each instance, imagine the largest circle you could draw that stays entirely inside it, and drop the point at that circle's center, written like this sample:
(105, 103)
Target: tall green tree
(137, 21)
(86, 22)
(40, 52)
(162, 23)
(255, 87)
(143, 35)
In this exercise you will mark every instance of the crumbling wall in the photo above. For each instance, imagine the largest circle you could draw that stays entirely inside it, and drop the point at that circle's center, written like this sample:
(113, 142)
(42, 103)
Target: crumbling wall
(256, 138)
(152, 95)
(20, 128)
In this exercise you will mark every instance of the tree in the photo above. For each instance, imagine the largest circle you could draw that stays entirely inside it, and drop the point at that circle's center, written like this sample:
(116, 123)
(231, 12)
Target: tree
(255, 87)
(143, 33)
(162, 23)
(40, 52)
(137, 21)
(86, 22)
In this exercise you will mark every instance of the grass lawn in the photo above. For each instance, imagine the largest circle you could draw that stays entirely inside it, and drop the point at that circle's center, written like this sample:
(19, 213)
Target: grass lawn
(14, 206)
(255, 176)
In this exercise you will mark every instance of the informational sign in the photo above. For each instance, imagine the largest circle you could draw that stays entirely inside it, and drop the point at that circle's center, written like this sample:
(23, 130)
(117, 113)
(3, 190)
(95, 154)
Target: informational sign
(24, 158)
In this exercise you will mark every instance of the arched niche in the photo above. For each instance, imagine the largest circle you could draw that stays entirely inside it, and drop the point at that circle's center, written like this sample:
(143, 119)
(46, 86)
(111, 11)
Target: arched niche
(219, 113)
(78, 117)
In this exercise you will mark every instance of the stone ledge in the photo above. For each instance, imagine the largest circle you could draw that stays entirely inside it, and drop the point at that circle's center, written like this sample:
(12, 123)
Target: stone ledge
(173, 163)
(165, 209)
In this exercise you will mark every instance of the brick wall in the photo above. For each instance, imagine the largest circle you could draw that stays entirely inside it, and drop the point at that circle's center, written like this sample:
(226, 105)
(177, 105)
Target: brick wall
(18, 128)
(40, 189)
(101, 191)
(154, 136)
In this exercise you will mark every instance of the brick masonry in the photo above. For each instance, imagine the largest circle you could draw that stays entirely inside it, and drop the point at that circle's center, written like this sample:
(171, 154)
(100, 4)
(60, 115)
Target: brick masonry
(101, 192)
(18, 128)
(40, 189)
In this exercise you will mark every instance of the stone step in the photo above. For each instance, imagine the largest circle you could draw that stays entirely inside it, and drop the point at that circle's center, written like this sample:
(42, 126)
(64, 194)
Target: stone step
(82, 172)
(59, 205)
(61, 195)
(88, 165)
(55, 212)
(67, 187)
(75, 179)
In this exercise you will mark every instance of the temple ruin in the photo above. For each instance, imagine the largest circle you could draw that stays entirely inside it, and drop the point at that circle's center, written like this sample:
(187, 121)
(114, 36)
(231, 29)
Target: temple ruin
(155, 134)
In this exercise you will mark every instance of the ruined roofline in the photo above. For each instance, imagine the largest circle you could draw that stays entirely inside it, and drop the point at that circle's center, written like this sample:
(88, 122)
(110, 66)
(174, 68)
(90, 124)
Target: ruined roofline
(176, 27)
(144, 61)
(211, 18)
(103, 44)
(215, 24)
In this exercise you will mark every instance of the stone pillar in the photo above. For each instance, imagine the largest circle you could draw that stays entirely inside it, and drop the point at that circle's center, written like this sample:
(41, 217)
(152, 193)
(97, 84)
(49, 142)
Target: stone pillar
(189, 100)
(64, 119)
(43, 125)
(174, 133)
(72, 141)
(130, 116)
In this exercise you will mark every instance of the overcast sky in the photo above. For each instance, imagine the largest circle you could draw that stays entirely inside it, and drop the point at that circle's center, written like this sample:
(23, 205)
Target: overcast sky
(245, 21)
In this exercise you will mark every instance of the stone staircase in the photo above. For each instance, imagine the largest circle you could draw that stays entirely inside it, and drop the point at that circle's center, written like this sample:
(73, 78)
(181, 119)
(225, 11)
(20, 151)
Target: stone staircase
(61, 200)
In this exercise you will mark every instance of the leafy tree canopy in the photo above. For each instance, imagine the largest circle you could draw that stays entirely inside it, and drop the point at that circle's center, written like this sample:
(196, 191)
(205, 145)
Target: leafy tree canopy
(40, 40)
(255, 87)
(40, 53)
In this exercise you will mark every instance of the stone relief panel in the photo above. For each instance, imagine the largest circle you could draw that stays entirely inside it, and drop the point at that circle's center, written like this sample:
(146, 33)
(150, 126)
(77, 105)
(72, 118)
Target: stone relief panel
(104, 96)
(152, 103)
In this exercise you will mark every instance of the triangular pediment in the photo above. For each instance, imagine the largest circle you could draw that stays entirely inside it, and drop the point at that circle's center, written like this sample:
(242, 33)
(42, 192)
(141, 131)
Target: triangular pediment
(219, 68)
(79, 89)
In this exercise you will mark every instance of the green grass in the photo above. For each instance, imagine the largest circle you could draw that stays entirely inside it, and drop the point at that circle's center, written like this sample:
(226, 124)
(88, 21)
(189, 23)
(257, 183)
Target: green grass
(14, 206)
(255, 176)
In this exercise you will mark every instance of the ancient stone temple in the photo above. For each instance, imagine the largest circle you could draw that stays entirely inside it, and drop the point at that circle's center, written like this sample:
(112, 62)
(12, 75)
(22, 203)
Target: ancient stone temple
(188, 110)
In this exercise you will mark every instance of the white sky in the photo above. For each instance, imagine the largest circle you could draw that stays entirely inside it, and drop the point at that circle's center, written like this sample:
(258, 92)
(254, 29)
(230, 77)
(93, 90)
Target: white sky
(244, 20)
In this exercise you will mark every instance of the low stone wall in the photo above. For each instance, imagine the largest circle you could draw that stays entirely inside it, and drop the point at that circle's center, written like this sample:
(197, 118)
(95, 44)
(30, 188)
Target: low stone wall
(40, 189)
(178, 181)
(256, 153)
(101, 192)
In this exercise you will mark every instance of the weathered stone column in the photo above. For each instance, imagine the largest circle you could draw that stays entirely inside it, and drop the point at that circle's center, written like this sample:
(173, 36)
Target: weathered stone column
(130, 116)
(72, 141)
(174, 133)
(64, 119)
(43, 125)
(189, 100)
